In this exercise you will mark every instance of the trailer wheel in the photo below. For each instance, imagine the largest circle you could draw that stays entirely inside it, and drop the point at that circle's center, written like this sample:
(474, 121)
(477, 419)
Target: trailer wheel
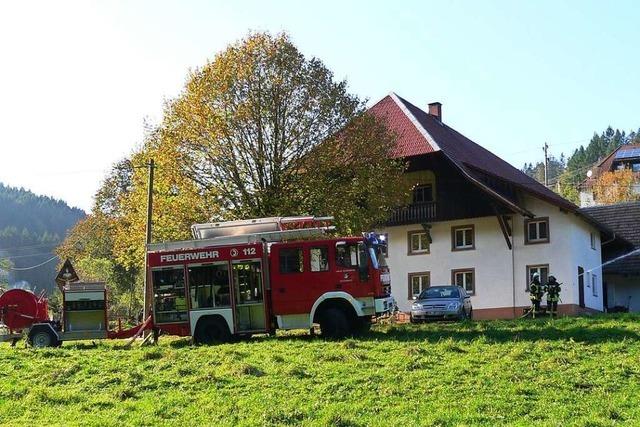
(43, 337)
(334, 323)
(211, 331)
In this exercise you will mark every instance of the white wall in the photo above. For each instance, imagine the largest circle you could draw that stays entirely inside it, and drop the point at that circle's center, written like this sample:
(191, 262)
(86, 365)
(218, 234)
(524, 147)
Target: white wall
(497, 269)
(491, 260)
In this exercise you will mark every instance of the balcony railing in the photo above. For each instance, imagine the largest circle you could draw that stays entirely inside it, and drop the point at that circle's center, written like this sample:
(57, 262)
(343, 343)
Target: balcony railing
(413, 214)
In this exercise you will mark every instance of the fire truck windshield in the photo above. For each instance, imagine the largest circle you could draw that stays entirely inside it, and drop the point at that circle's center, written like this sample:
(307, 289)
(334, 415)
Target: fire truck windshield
(377, 257)
(376, 245)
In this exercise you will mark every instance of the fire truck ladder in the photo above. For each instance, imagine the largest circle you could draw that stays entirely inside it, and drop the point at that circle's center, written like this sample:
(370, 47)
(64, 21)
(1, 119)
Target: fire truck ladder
(273, 229)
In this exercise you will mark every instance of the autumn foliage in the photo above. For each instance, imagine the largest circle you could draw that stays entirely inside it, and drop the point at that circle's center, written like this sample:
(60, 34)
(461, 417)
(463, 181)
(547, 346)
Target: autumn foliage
(259, 131)
(618, 186)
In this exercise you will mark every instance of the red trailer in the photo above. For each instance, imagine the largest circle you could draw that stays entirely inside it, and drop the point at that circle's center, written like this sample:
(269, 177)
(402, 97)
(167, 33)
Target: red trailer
(255, 276)
(84, 316)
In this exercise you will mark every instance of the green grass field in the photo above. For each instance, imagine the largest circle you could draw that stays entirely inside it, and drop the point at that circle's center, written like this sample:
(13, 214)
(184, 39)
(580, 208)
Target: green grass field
(572, 371)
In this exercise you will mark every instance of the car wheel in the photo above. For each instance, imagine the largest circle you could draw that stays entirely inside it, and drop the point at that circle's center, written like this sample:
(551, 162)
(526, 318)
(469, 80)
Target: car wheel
(412, 320)
(470, 313)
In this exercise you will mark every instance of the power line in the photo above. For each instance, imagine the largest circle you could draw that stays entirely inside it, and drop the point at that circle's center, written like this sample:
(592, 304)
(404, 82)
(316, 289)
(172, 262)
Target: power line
(32, 267)
(19, 248)
(86, 235)
(528, 150)
(25, 256)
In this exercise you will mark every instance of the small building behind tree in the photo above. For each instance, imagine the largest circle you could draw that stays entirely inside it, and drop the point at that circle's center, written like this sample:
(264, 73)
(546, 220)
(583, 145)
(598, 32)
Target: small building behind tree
(616, 178)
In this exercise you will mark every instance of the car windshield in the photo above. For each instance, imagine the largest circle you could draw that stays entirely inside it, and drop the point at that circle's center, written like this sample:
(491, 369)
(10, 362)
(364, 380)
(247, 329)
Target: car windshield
(440, 292)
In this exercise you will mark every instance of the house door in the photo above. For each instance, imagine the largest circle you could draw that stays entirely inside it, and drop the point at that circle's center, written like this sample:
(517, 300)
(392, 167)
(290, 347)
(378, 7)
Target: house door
(249, 296)
(581, 286)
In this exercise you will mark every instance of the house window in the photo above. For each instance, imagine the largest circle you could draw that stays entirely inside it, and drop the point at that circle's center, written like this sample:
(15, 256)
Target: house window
(542, 270)
(593, 241)
(291, 260)
(319, 258)
(536, 231)
(594, 285)
(465, 278)
(462, 238)
(418, 242)
(422, 194)
(418, 282)
(635, 167)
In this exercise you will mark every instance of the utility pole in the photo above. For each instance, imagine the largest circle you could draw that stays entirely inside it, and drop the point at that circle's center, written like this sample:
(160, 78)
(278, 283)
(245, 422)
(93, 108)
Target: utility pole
(546, 165)
(146, 310)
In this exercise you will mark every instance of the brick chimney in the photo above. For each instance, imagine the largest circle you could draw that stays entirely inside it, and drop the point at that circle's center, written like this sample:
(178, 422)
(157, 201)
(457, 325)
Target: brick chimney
(435, 109)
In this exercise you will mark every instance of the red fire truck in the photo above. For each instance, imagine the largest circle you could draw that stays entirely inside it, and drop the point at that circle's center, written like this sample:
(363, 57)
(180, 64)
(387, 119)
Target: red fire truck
(240, 278)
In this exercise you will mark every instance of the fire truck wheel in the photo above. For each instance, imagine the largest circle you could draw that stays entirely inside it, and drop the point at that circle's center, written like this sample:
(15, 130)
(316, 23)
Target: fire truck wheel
(362, 325)
(211, 331)
(334, 323)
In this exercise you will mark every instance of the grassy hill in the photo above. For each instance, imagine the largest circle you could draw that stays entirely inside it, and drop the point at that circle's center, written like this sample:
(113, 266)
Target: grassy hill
(31, 226)
(573, 371)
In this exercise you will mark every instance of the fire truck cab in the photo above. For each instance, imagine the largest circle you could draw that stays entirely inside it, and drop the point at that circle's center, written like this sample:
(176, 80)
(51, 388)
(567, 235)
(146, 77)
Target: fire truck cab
(240, 278)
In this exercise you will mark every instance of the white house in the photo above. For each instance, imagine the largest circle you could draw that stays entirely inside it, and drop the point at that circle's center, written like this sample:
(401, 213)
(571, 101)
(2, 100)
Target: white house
(476, 221)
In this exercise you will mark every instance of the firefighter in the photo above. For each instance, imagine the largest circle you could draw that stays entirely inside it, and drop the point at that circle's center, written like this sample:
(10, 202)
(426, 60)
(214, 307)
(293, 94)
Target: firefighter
(535, 294)
(553, 295)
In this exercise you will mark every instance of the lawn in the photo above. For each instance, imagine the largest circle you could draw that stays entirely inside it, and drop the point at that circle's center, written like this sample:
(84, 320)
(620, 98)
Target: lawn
(571, 371)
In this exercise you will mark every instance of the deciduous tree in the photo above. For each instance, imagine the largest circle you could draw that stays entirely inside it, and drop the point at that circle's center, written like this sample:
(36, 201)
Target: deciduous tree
(249, 124)
(616, 187)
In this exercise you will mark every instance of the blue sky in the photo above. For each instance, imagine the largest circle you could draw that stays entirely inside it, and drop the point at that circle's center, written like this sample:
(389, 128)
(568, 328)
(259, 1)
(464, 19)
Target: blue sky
(78, 79)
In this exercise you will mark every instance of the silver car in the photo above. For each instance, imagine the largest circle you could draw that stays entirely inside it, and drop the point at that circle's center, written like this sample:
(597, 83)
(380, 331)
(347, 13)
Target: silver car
(441, 302)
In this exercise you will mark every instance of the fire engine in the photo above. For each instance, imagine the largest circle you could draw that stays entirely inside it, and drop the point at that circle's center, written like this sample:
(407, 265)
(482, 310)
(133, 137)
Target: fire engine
(239, 278)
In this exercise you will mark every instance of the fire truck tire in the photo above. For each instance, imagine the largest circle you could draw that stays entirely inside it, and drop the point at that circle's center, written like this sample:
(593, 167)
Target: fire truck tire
(40, 337)
(334, 323)
(362, 325)
(211, 330)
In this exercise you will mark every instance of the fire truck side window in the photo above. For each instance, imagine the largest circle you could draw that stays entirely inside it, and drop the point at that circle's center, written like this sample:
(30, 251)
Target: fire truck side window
(291, 260)
(209, 286)
(170, 298)
(319, 259)
(347, 255)
(248, 282)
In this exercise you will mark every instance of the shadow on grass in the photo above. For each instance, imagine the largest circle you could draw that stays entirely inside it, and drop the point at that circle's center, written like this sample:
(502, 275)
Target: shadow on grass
(590, 335)
(493, 332)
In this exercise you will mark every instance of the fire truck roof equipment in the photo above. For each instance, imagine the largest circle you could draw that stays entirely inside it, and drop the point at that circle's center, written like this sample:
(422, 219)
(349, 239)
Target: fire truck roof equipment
(273, 229)
(257, 226)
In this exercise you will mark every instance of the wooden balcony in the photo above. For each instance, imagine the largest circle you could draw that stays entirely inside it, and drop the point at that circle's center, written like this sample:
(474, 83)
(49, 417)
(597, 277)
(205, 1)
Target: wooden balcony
(413, 214)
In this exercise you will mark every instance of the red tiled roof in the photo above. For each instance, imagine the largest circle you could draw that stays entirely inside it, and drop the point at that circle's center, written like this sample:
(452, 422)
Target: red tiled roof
(409, 141)
(432, 135)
